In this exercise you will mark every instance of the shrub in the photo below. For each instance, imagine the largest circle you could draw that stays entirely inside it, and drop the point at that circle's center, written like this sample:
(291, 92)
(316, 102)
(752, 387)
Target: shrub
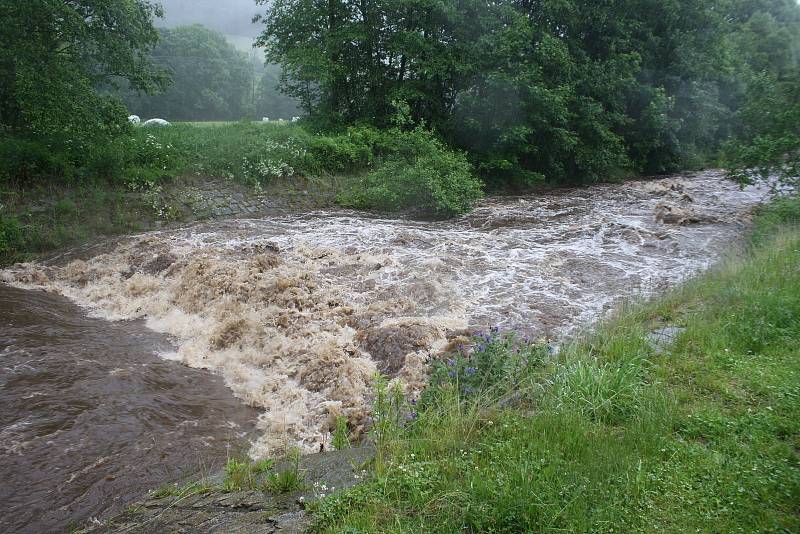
(11, 236)
(421, 175)
(22, 160)
(354, 150)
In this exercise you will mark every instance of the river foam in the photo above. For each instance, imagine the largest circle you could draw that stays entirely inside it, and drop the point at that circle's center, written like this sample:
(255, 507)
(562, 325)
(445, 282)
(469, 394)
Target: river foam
(297, 313)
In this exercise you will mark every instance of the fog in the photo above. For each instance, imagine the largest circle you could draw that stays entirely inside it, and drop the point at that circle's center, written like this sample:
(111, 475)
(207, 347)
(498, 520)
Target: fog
(231, 17)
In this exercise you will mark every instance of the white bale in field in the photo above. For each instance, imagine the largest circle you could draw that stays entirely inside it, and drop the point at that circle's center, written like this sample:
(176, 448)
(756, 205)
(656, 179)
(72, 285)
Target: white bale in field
(134, 119)
(295, 119)
(264, 119)
(156, 122)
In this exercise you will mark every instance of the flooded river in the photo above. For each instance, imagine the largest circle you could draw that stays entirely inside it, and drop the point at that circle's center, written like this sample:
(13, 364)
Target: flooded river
(294, 315)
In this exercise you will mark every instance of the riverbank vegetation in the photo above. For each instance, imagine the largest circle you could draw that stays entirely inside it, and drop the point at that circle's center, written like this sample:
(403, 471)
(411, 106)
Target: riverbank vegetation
(120, 188)
(562, 92)
(614, 432)
(425, 106)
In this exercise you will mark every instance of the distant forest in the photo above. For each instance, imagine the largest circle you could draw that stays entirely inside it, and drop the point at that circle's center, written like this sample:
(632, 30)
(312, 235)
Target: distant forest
(212, 80)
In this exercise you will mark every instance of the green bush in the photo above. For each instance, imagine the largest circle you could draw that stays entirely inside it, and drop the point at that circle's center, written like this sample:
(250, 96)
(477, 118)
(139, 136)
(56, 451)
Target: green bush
(23, 160)
(421, 175)
(351, 151)
(11, 237)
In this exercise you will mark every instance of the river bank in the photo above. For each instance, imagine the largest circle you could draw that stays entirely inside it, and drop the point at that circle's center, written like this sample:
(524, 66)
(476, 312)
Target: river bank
(698, 430)
(37, 221)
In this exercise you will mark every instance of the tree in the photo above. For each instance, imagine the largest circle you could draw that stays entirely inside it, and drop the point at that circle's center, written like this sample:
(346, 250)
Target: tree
(270, 101)
(765, 140)
(212, 80)
(348, 60)
(55, 56)
(564, 90)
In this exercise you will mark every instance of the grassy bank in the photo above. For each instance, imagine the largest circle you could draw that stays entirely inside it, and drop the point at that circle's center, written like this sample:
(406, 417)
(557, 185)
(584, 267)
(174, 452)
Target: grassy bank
(51, 198)
(37, 220)
(614, 433)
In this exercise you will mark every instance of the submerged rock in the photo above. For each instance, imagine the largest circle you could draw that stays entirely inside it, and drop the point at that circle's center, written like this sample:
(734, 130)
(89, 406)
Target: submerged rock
(671, 214)
(662, 338)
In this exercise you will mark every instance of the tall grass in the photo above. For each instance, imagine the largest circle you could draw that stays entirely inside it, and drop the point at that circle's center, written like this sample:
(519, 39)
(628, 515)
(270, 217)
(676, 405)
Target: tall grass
(609, 435)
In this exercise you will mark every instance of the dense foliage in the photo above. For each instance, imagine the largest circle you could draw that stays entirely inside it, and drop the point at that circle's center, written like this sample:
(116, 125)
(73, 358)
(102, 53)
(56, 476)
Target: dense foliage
(55, 54)
(211, 79)
(420, 174)
(767, 136)
(564, 90)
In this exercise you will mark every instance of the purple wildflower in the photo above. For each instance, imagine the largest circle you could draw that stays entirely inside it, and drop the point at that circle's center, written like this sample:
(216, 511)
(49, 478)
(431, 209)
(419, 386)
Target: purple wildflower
(451, 363)
(452, 374)
(470, 370)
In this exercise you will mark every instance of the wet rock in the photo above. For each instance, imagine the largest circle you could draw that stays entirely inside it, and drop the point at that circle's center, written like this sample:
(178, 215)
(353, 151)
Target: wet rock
(246, 512)
(662, 338)
(389, 345)
(291, 522)
(160, 263)
(663, 187)
(671, 214)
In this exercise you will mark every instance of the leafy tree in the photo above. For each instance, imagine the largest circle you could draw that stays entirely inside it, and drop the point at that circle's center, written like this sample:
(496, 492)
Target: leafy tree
(564, 90)
(765, 91)
(212, 80)
(346, 61)
(270, 101)
(56, 53)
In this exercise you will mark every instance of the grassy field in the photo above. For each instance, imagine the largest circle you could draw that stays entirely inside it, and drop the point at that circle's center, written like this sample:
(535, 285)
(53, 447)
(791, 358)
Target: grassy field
(610, 434)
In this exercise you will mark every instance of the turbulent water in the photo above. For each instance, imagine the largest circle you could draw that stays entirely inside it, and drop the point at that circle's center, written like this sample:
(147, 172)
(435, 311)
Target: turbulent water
(297, 313)
(91, 417)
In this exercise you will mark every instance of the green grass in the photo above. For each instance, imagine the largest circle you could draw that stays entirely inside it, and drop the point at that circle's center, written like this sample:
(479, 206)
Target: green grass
(119, 188)
(37, 220)
(243, 475)
(196, 487)
(610, 435)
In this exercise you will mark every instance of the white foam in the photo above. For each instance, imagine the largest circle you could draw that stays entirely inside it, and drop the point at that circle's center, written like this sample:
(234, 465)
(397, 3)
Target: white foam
(289, 330)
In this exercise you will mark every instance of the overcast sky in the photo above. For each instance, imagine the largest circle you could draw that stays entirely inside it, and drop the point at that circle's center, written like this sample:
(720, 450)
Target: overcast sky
(231, 17)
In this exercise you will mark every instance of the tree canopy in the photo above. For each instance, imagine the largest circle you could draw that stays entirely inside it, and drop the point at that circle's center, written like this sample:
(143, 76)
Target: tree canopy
(567, 90)
(211, 79)
(57, 53)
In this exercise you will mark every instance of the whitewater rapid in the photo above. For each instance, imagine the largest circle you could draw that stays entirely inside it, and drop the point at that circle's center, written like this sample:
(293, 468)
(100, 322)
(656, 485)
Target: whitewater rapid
(297, 313)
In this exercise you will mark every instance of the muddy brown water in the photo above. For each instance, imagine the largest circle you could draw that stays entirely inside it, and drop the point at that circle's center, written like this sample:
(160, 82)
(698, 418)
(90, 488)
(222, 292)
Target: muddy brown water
(91, 417)
(294, 315)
